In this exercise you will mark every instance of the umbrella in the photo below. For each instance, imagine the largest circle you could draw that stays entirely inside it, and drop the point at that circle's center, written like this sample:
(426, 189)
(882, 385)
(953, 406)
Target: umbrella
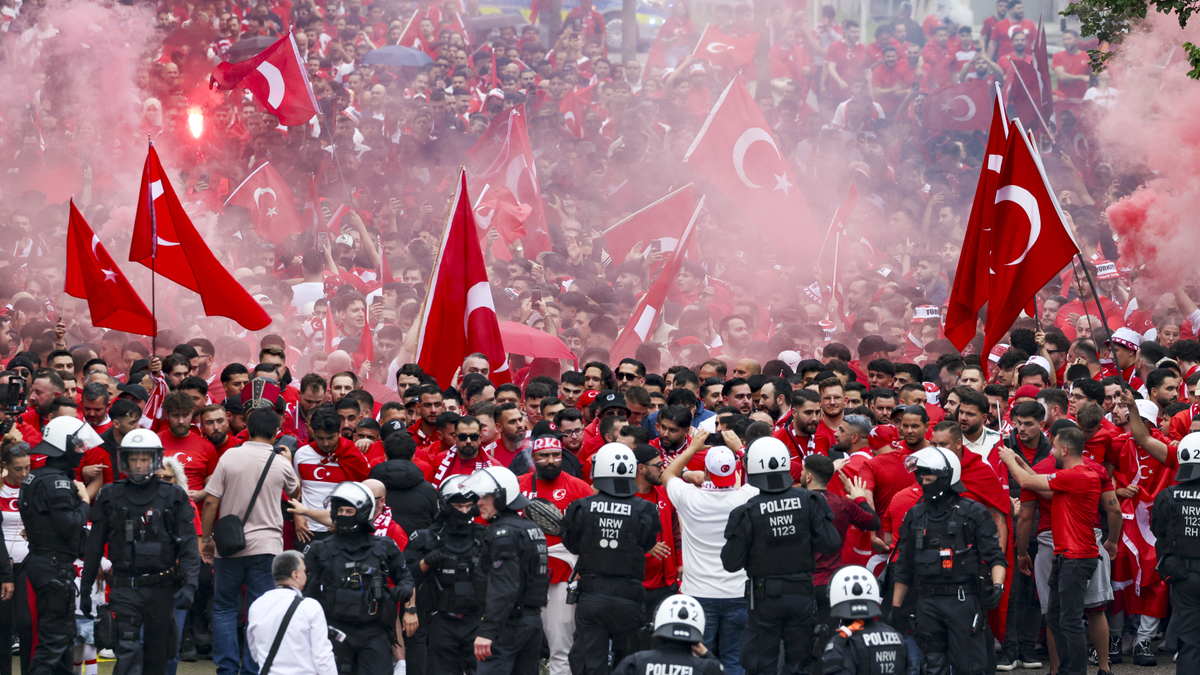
(396, 56)
(495, 20)
(249, 47)
(521, 339)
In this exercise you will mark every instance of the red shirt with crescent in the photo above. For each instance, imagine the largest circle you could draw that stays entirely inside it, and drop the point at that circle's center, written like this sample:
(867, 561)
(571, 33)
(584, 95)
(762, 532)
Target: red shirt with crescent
(194, 452)
(561, 492)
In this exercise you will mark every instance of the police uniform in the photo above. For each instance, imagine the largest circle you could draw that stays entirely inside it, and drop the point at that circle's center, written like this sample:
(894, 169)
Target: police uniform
(944, 542)
(678, 626)
(1175, 521)
(150, 534)
(54, 518)
(349, 574)
(866, 648)
(772, 537)
(611, 535)
(511, 585)
(862, 645)
(446, 601)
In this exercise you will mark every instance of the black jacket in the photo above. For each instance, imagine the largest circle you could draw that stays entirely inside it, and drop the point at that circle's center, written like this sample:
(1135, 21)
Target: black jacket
(414, 502)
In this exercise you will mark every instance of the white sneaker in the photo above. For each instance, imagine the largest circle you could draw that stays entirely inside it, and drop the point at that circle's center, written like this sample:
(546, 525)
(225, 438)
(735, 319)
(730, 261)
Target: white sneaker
(107, 654)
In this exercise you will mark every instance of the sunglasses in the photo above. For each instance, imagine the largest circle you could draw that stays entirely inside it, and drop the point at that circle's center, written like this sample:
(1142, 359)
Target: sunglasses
(463, 438)
(626, 376)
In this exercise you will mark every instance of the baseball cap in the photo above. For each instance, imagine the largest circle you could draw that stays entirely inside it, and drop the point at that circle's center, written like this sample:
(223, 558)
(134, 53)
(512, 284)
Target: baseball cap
(932, 392)
(391, 427)
(545, 428)
(610, 399)
(1027, 391)
(135, 390)
(139, 365)
(1107, 270)
(645, 453)
(790, 357)
(1126, 337)
(1036, 360)
(586, 398)
(875, 343)
(721, 466)
(344, 239)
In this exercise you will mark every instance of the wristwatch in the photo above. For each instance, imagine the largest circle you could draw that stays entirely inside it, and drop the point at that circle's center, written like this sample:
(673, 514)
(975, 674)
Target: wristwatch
(410, 610)
(205, 540)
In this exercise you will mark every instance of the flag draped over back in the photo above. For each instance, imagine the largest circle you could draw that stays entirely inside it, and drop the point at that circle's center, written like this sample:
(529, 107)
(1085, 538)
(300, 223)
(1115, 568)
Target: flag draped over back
(165, 240)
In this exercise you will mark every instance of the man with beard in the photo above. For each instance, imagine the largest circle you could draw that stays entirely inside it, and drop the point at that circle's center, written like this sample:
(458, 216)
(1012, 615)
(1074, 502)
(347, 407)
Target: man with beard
(570, 429)
(511, 447)
(674, 431)
(1162, 386)
(885, 474)
(661, 580)
(798, 436)
(181, 441)
(833, 406)
(549, 482)
(774, 398)
(214, 424)
(972, 412)
(429, 405)
(944, 542)
(630, 373)
(43, 389)
(466, 456)
(854, 443)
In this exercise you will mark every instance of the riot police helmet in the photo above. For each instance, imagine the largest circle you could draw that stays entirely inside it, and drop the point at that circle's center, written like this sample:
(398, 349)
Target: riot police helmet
(1189, 458)
(499, 482)
(65, 435)
(854, 593)
(768, 465)
(681, 618)
(452, 492)
(140, 455)
(941, 463)
(357, 495)
(614, 468)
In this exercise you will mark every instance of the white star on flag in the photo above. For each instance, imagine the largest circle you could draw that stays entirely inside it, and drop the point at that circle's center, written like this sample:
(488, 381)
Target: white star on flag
(782, 183)
(109, 275)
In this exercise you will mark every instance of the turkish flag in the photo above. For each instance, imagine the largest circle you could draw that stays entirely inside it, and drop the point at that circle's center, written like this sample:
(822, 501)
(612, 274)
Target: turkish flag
(960, 107)
(165, 240)
(1041, 61)
(459, 317)
(664, 222)
(574, 106)
(838, 229)
(724, 50)
(277, 79)
(1023, 93)
(1134, 576)
(411, 37)
(1030, 242)
(498, 208)
(736, 152)
(93, 276)
(641, 323)
(970, 291)
(503, 157)
(270, 202)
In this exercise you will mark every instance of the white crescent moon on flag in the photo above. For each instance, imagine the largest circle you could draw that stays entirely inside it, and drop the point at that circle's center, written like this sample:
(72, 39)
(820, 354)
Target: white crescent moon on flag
(748, 138)
(156, 191)
(95, 243)
(260, 192)
(275, 86)
(479, 296)
(970, 107)
(512, 175)
(1024, 199)
(711, 47)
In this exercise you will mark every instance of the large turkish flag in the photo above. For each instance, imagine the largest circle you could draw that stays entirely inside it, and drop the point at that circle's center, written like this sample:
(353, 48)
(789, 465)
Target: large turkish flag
(277, 79)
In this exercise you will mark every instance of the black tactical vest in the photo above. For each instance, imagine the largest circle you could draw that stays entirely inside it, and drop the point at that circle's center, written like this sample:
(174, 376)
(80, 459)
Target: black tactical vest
(143, 537)
(944, 545)
(610, 538)
(782, 540)
(355, 583)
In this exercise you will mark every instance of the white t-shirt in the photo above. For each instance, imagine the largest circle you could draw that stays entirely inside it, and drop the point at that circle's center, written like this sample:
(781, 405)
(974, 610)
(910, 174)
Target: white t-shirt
(702, 518)
(17, 546)
(306, 292)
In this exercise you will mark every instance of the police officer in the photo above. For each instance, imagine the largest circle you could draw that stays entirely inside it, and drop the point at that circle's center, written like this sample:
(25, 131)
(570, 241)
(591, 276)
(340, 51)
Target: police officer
(862, 645)
(443, 562)
(54, 509)
(945, 541)
(611, 532)
(772, 536)
(148, 527)
(349, 574)
(513, 577)
(1175, 520)
(678, 643)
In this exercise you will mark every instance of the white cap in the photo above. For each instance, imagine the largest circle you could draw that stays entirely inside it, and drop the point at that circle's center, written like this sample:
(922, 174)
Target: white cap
(1148, 410)
(721, 465)
(1040, 361)
(1126, 337)
(344, 239)
(790, 357)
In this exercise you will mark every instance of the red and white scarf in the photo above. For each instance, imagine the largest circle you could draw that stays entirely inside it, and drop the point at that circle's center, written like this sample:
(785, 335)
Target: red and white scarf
(383, 521)
(482, 460)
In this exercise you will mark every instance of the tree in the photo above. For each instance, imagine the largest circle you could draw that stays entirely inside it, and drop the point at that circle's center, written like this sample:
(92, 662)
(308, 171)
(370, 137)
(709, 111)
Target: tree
(1111, 20)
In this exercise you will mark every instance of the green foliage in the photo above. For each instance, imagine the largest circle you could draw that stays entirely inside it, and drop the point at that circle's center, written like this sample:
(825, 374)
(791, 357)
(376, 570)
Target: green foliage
(1110, 20)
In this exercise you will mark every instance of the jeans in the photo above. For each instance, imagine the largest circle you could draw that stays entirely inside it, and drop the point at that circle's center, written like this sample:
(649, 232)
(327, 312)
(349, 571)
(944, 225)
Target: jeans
(1068, 582)
(229, 576)
(173, 662)
(724, 621)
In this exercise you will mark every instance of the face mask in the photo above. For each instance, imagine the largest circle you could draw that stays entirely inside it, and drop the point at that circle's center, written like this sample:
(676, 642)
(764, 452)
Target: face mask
(346, 524)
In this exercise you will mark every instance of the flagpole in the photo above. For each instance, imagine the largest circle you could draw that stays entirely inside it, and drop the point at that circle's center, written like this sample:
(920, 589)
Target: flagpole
(1100, 309)
(1035, 105)
(153, 254)
(837, 242)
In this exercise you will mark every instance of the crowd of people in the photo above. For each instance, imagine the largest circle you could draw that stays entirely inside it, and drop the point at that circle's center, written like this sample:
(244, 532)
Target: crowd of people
(752, 353)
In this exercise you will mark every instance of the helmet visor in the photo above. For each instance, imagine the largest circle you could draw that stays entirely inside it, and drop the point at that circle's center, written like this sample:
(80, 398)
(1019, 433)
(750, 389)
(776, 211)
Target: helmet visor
(139, 464)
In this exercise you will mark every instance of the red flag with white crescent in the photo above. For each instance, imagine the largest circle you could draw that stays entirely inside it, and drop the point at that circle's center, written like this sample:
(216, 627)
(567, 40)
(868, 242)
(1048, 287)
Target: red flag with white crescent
(503, 156)
(459, 318)
(268, 198)
(277, 78)
(726, 51)
(663, 221)
(92, 275)
(736, 152)
(960, 107)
